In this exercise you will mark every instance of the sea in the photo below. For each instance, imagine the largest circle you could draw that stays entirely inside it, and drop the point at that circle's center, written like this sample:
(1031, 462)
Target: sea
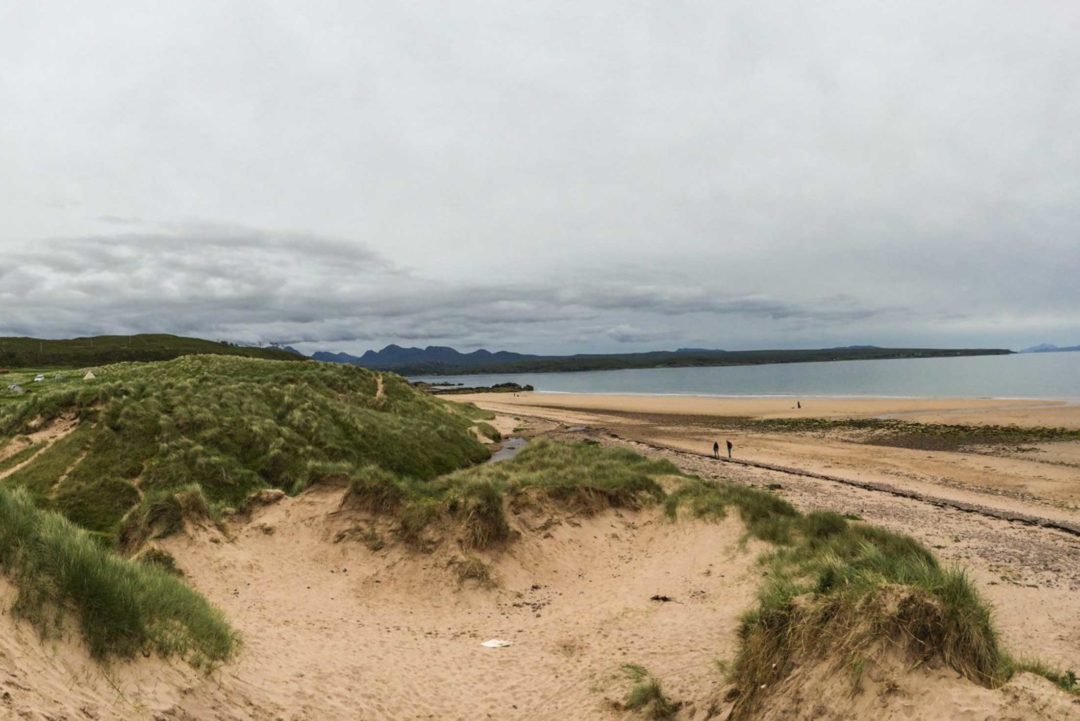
(1022, 375)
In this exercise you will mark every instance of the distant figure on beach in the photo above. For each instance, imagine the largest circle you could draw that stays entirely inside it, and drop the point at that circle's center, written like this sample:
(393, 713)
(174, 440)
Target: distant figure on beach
(715, 449)
(730, 445)
(798, 404)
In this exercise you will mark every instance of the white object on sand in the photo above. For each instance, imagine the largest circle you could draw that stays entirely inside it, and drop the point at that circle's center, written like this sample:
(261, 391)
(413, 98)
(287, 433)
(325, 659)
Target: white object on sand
(496, 643)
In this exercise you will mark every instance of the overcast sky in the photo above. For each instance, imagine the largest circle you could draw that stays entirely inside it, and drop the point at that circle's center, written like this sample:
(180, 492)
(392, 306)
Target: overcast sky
(545, 176)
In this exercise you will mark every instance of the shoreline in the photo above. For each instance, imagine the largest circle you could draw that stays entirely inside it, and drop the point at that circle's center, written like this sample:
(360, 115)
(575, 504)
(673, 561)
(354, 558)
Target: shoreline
(1066, 400)
(1024, 412)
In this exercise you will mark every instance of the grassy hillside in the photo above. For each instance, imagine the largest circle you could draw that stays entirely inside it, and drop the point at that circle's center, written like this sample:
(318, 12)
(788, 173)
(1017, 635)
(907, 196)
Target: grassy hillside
(222, 428)
(103, 349)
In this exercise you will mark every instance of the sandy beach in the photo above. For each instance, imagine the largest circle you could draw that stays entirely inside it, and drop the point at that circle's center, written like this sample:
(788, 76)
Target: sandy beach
(1020, 567)
(1036, 475)
(995, 411)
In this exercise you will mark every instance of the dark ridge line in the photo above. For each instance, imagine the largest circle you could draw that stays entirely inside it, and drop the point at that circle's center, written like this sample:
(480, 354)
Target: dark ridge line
(1010, 516)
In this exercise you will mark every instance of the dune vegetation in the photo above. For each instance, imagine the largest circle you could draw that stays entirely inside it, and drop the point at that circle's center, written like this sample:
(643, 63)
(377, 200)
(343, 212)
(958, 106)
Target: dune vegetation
(835, 589)
(580, 477)
(122, 607)
(143, 447)
(224, 428)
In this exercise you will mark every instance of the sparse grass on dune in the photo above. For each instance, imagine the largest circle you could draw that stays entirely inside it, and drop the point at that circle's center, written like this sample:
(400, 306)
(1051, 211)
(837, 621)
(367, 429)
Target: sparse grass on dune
(230, 426)
(488, 431)
(580, 477)
(647, 696)
(836, 590)
(122, 607)
(583, 476)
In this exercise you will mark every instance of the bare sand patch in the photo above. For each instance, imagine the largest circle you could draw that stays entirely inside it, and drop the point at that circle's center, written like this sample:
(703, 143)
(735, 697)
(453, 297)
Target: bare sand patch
(43, 435)
(337, 630)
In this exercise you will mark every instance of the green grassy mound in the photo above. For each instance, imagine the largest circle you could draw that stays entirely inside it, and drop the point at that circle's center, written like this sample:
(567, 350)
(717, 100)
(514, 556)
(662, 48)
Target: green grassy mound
(229, 427)
(122, 607)
(582, 477)
(838, 589)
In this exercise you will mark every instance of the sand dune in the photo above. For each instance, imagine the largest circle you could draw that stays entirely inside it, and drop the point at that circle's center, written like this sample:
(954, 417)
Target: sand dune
(337, 626)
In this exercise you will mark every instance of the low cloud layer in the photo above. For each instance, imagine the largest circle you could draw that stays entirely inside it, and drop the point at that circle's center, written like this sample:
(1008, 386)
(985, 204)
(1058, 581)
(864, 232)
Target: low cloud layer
(261, 287)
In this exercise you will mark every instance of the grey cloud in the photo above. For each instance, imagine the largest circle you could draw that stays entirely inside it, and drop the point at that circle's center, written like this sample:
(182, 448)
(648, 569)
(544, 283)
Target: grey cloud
(546, 176)
(255, 286)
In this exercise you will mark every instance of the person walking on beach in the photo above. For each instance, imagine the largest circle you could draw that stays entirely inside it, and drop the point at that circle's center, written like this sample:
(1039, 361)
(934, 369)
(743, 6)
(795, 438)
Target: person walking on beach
(715, 449)
(730, 445)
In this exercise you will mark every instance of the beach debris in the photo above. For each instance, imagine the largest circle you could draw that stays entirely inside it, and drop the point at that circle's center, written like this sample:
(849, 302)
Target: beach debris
(662, 599)
(496, 643)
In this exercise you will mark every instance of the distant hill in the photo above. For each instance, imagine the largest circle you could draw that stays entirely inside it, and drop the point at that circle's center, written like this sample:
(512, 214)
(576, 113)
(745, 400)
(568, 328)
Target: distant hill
(422, 361)
(441, 360)
(1050, 348)
(102, 349)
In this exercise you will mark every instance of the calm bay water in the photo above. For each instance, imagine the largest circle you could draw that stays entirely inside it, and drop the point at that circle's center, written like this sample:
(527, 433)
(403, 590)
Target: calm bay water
(1029, 375)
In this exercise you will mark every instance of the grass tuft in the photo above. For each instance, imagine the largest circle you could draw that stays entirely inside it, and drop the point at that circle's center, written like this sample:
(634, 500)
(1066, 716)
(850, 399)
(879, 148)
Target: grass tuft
(475, 570)
(647, 695)
(161, 514)
(489, 431)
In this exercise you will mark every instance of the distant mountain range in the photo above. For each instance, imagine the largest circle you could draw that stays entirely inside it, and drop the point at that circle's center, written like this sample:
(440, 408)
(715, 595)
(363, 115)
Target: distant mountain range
(393, 357)
(1050, 348)
(442, 360)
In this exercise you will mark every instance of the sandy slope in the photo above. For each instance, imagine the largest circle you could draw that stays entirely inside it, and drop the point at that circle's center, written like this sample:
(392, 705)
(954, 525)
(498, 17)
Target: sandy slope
(54, 678)
(335, 630)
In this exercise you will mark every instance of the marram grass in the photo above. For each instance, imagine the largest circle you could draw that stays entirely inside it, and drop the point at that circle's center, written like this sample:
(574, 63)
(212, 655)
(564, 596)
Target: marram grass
(122, 607)
(231, 426)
